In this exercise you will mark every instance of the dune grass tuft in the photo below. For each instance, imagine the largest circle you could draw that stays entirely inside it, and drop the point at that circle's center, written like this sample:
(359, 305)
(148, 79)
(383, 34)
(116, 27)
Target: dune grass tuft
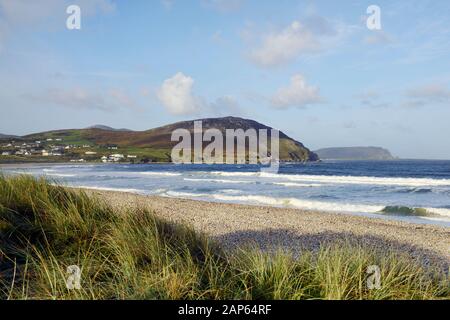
(44, 228)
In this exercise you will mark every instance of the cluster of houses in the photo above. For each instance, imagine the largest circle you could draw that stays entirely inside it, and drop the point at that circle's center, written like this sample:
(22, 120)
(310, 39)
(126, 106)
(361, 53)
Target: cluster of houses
(50, 147)
(117, 157)
(36, 148)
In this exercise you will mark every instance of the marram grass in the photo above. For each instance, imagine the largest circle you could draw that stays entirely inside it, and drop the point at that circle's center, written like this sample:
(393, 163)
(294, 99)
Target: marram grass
(135, 255)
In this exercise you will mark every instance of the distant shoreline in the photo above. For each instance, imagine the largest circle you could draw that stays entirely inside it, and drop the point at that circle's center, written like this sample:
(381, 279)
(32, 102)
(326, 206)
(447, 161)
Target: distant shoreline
(35, 164)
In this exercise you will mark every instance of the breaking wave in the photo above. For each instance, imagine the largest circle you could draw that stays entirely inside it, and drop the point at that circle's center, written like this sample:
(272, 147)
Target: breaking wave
(413, 182)
(294, 184)
(301, 204)
(217, 180)
(62, 175)
(129, 190)
(315, 205)
(412, 211)
(159, 173)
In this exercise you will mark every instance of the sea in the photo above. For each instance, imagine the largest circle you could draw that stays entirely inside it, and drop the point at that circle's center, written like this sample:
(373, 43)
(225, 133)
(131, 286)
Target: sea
(408, 190)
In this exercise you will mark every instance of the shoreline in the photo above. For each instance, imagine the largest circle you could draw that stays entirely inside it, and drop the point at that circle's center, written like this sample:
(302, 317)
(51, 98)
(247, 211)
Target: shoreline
(238, 225)
(38, 164)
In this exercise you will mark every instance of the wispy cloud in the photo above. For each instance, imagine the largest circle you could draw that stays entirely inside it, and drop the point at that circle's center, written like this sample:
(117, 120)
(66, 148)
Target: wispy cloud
(378, 37)
(371, 99)
(429, 94)
(82, 98)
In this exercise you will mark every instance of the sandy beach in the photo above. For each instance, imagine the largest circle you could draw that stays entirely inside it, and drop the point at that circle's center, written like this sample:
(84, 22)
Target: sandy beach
(235, 225)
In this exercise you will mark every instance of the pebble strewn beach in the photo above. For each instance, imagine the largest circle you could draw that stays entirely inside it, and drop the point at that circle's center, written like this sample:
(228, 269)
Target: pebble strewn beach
(267, 227)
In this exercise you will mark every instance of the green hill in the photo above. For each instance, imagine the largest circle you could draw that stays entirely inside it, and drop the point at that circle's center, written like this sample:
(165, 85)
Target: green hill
(156, 143)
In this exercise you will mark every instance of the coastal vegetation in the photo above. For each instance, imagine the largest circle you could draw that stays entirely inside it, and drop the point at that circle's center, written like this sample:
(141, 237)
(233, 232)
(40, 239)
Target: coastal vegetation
(134, 254)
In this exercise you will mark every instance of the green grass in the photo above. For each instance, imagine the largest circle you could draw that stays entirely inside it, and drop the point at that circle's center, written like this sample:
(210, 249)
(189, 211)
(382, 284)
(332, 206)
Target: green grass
(135, 255)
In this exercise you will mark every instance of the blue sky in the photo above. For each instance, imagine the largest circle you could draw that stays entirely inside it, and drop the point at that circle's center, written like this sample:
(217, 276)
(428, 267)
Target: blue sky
(310, 68)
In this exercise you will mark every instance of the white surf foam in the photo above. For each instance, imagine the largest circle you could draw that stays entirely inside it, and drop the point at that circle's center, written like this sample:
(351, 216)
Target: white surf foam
(217, 180)
(130, 190)
(22, 172)
(301, 204)
(62, 175)
(413, 182)
(230, 191)
(439, 211)
(159, 173)
(295, 184)
(185, 194)
(318, 205)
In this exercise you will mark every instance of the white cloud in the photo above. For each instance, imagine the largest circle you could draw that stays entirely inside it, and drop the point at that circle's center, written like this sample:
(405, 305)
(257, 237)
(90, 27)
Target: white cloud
(297, 94)
(176, 95)
(281, 47)
(312, 35)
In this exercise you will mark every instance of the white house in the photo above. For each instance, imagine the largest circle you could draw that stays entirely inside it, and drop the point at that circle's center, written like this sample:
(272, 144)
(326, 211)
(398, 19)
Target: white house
(131, 156)
(116, 157)
(90, 152)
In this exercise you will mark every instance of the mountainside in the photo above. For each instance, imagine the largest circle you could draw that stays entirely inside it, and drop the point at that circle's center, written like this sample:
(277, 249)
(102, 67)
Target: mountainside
(355, 153)
(158, 140)
(7, 136)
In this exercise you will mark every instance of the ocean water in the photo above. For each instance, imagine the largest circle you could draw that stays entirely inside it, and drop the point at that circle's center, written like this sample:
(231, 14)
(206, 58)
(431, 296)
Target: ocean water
(348, 187)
